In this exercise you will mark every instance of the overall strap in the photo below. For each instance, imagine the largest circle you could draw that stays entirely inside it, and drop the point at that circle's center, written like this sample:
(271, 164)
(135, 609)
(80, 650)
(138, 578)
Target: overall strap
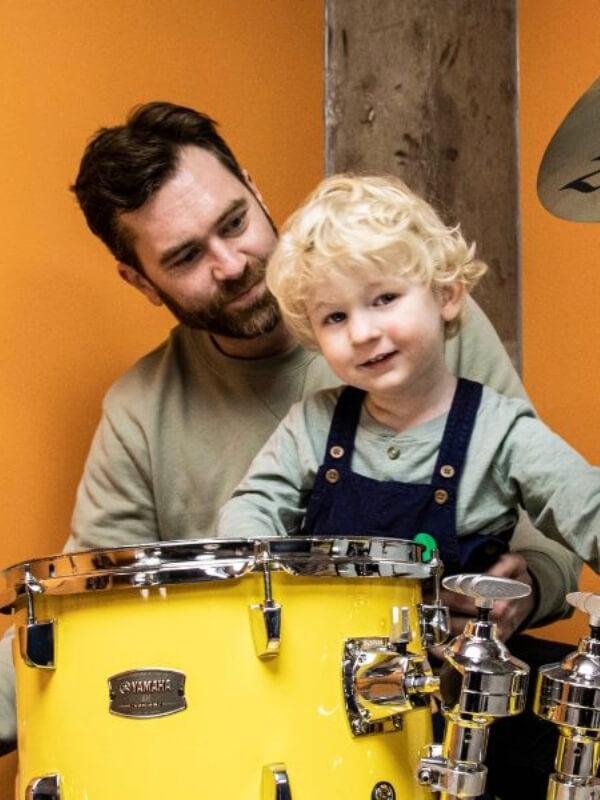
(457, 433)
(342, 432)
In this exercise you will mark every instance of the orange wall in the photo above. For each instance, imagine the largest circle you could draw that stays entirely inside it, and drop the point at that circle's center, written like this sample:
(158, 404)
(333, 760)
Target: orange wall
(70, 325)
(559, 46)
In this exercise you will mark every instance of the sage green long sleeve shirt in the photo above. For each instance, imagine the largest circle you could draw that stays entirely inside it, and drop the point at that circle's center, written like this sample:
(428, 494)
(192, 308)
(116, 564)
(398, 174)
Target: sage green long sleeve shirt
(180, 428)
(513, 461)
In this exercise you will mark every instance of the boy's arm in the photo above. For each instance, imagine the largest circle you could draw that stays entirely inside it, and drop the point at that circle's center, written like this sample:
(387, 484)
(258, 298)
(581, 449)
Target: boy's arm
(477, 353)
(557, 487)
(271, 498)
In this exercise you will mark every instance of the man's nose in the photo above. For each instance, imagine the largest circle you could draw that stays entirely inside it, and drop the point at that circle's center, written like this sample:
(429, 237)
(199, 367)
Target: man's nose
(228, 263)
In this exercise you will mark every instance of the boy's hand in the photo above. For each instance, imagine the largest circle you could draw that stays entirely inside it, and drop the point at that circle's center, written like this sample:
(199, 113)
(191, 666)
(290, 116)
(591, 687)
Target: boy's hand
(509, 615)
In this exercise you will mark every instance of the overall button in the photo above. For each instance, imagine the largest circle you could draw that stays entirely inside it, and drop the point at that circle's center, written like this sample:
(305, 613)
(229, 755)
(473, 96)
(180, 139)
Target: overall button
(332, 476)
(447, 471)
(336, 451)
(440, 496)
(393, 452)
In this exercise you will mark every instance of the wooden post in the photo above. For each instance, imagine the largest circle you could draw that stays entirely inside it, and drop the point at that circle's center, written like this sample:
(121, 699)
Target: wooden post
(427, 90)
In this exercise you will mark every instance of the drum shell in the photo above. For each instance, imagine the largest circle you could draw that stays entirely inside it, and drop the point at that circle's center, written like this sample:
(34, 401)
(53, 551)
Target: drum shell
(242, 712)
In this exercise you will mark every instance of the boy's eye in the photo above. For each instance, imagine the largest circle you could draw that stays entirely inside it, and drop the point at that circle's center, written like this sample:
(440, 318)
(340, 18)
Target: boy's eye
(334, 318)
(385, 298)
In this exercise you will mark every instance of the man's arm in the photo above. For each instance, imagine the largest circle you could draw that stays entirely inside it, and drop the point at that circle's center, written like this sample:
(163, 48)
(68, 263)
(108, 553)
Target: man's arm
(115, 502)
(477, 353)
(551, 565)
(540, 560)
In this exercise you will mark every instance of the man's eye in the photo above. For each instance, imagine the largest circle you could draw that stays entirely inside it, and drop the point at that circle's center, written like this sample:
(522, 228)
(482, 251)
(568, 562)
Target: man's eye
(334, 318)
(385, 298)
(188, 257)
(234, 225)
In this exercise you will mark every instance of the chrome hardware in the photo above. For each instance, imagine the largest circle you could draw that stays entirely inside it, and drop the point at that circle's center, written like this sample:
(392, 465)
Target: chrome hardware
(568, 694)
(485, 589)
(480, 682)
(382, 680)
(45, 788)
(434, 618)
(265, 618)
(147, 693)
(589, 603)
(383, 791)
(275, 783)
(194, 561)
(455, 779)
(36, 639)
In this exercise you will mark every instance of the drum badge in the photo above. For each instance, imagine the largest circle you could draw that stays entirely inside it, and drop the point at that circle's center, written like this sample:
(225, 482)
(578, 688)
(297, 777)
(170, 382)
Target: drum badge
(145, 693)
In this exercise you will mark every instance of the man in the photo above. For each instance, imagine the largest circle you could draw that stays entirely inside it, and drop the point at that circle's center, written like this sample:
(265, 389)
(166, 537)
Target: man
(189, 229)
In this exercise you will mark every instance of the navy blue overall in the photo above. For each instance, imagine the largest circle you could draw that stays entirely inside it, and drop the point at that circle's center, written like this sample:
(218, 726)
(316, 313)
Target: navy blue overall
(344, 503)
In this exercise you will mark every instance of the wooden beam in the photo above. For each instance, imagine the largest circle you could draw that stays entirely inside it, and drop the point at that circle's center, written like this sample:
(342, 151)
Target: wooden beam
(427, 90)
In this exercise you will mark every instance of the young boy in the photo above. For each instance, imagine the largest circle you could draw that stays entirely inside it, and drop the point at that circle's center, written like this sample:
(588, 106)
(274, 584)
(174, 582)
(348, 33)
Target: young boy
(366, 272)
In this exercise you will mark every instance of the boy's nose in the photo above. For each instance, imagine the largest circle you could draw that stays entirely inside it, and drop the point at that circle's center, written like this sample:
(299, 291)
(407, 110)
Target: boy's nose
(361, 329)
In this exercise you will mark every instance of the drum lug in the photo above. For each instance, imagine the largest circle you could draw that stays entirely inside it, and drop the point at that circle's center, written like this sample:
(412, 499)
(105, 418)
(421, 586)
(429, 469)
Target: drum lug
(434, 618)
(382, 680)
(36, 639)
(265, 618)
(265, 621)
(44, 788)
(36, 644)
(275, 783)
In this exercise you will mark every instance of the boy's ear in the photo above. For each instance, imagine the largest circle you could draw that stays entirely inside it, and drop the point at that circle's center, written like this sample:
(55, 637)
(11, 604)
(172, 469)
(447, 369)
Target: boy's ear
(139, 282)
(452, 297)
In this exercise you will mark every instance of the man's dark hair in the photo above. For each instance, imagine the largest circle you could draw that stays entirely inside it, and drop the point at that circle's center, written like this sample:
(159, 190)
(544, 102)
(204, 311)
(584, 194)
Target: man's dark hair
(123, 166)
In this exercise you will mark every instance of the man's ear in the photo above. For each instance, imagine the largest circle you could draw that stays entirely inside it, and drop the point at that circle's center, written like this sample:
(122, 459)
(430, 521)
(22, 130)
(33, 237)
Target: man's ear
(139, 282)
(452, 298)
(253, 187)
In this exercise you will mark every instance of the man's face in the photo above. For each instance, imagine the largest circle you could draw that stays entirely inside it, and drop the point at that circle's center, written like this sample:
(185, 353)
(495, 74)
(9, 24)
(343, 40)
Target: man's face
(203, 240)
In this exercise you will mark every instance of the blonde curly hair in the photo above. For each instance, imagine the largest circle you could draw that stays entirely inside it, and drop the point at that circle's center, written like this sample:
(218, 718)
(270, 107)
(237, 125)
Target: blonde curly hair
(357, 225)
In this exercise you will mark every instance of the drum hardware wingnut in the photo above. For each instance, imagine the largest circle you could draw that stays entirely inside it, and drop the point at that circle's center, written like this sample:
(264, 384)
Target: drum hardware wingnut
(36, 639)
(480, 682)
(568, 694)
(265, 618)
(382, 680)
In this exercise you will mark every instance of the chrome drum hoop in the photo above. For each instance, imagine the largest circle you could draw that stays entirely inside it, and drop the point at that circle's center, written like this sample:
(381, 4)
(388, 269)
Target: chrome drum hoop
(196, 560)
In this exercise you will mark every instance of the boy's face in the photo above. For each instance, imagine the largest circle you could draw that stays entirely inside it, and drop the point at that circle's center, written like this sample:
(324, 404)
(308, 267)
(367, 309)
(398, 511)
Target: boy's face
(385, 335)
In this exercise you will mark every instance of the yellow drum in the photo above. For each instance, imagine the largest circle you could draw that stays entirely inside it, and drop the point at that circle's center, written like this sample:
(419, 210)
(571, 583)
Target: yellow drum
(218, 669)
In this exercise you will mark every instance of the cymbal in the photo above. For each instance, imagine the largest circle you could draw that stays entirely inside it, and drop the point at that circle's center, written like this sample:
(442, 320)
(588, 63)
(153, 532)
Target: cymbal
(568, 182)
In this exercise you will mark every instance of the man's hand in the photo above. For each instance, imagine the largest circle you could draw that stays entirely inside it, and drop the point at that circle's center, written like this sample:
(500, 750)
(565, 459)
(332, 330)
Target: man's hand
(508, 614)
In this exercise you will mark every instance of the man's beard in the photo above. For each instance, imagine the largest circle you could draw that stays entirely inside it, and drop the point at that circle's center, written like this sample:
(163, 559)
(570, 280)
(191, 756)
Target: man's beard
(244, 323)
